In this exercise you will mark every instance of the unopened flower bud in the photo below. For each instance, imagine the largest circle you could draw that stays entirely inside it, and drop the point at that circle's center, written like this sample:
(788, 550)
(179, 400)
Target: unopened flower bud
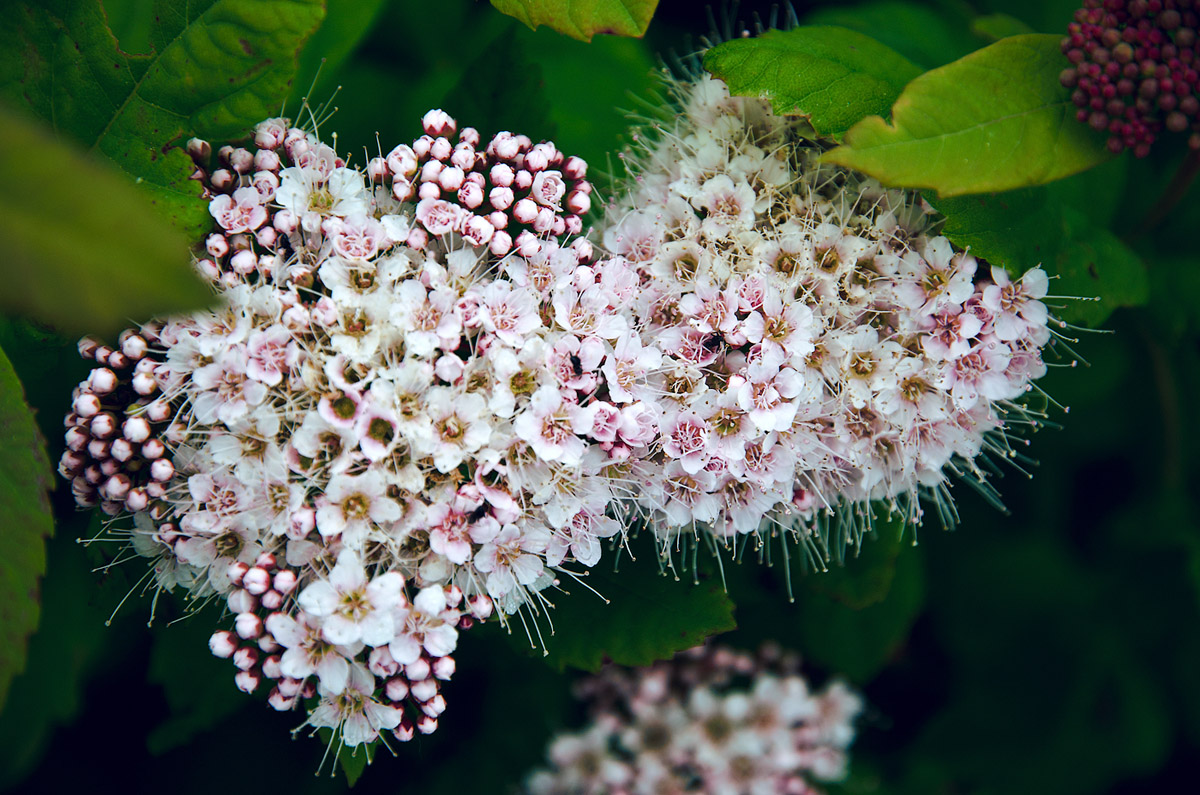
(161, 470)
(574, 168)
(404, 732)
(429, 190)
(223, 180)
(98, 449)
(434, 706)
(154, 449)
(285, 581)
(280, 702)
(241, 601)
(417, 670)
(438, 123)
(470, 195)
(500, 244)
(117, 486)
(266, 560)
(396, 689)
(247, 681)
(144, 384)
(381, 663)
(480, 606)
(272, 600)
(121, 449)
(223, 644)
(427, 725)
(290, 687)
(441, 149)
(443, 668)
(248, 626)
(266, 160)
(86, 405)
(451, 179)
(525, 211)
(200, 151)
(137, 500)
(257, 581)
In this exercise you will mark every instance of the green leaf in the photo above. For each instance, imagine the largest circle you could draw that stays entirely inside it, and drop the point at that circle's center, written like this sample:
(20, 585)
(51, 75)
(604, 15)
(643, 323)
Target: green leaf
(649, 616)
(354, 761)
(25, 480)
(1021, 229)
(999, 26)
(865, 577)
(216, 67)
(582, 19)
(995, 120)
(84, 260)
(925, 36)
(346, 24)
(832, 75)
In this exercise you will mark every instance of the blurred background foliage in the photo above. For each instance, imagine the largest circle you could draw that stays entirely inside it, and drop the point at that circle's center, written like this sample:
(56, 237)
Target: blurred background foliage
(1051, 649)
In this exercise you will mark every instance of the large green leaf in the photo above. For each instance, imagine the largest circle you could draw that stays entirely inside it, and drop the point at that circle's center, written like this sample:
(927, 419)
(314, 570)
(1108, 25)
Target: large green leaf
(992, 121)
(216, 67)
(832, 75)
(24, 481)
(648, 616)
(926, 36)
(582, 19)
(84, 260)
(1021, 229)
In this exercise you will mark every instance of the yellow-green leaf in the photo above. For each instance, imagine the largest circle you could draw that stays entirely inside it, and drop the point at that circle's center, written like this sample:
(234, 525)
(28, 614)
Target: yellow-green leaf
(582, 19)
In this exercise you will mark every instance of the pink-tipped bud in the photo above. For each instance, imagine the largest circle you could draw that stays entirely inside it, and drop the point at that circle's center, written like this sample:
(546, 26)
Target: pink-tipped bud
(402, 189)
(158, 411)
(248, 626)
(396, 689)
(103, 425)
(244, 262)
(505, 146)
(544, 221)
(285, 581)
(241, 160)
(501, 175)
(480, 606)
(377, 169)
(478, 230)
(579, 202)
(266, 236)
(498, 219)
(86, 405)
(422, 145)
(76, 438)
(247, 681)
(469, 135)
(574, 168)
(270, 667)
(381, 663)
(463, 157)
(134, 346)
(285, 222)
(583, 249)
(418, 238)
(136, 429)
(525, 211)
(144, 384)
(266, 560)
(501, 198)
(154, 449)
(500, 244)
(573, 225)
(272, 600)
(434, 706)
(424, 689)
(441, 149)
(470, 195)
(443, 668)
(536, 160)
(431, 170)
(429, 190)
(266, 160)
(280, 702)
(559, 225)
(121, 449)
(451, 179)
(427, 725)
(117, 487)
(265, 641)
(523, 180)
(200, 151)
(256, 581)
(454, 595)
(118, 360)
(417, 670)
(402, 161)
(438, 122)
(404, 732)
(236, 571)
(290, 687)
(222, 644)
(223, 180)
(102, 381)
(241, 601)
(161, 470)
(137, 500)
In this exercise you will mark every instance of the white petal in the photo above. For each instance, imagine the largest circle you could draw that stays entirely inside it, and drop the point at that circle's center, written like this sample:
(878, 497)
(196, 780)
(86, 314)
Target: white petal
(319, 599)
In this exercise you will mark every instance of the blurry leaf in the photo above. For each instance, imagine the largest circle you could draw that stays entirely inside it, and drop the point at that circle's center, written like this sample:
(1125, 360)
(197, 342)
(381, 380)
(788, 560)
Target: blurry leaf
(354, 761)
(649, 616)
(216, 68)
(198, 687)
(832, 75)
(1021, 229)
(24, 480)
(1097, 192)
(999, 26)
(1043, 16)
(866, 576)
(503, 88)
(84, 260)
(582, 19)
(346, 24)
(995, 120)
(925, 36)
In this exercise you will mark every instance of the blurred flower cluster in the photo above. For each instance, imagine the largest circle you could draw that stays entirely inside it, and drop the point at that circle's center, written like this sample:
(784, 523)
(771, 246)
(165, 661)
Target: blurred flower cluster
(712, 720)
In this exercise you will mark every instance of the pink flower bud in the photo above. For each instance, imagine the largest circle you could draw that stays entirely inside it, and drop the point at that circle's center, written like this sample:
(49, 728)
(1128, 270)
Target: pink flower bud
(572, 225)
(280, 702)
(402, 161)
(422, 145)
(558, 226)
(434, 706)
(463, 156)
(244, 262)
(480, 606)
(86, 405)
(469, 135)
(377, 169)
(285, 581)
(470, 195)
(575, 168)
(501, 175)
(451, 179)
(248, 626)
(536, 160)
(396, 689)
(247, 681)
(478, 230)
(241, 160)
(402, 189)
(438, 122)
(501, 244)
(443, 668)
(543, 222)
(103, 425)
(429, 190)
(200, 151)
(266, 236)
(118, 360)
(285, 222)
(449, 368)
(579, 202)
(116, 487)
(417, 671)
(522, 180)
(381, 664)
(271, 667)
(137, 500)
(223, 180)
(236, 571)
(102, 380)
(266, 560)
(76, 438)
(154, 449)
(162, 470)
(144, 384)
(417, 239)
(216, 245)
(121, 450)
(222, 644)
(525, 211)
(505, 146)
(257, 581)
(427, 725)
(441, 149)
(272, 600)
(431, 170)
(403, 732)
(156, 490)
(266, 160)
(240, 601)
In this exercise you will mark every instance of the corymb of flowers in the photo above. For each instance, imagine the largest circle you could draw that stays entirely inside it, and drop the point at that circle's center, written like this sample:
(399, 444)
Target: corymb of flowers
(711, 720)
(427, 394)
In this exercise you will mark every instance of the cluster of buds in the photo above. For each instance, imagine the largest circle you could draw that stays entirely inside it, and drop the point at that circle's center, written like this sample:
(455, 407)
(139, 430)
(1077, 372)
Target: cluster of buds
(711, 720)
(821, 347)
(1135, 70)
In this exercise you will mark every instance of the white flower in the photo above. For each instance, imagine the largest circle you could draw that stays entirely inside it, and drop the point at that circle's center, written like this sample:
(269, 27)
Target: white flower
(352, 503)
(350, 607)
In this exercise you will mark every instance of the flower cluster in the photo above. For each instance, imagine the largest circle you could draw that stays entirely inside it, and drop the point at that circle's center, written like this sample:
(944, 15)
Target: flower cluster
(819, 346)
(1134, 70)
(389, 424)
(712, 720)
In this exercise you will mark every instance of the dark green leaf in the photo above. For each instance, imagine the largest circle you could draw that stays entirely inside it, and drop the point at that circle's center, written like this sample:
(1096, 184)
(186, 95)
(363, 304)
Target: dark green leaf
(995, 120)
(354, 761)
(999, 26)
(582, 19)
(866, 576)
(832, 75)
(648, 616)
(1021, 229)
(346, 24)
(216, 68)
(925, 36)
(84, 260)
(24, 481)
